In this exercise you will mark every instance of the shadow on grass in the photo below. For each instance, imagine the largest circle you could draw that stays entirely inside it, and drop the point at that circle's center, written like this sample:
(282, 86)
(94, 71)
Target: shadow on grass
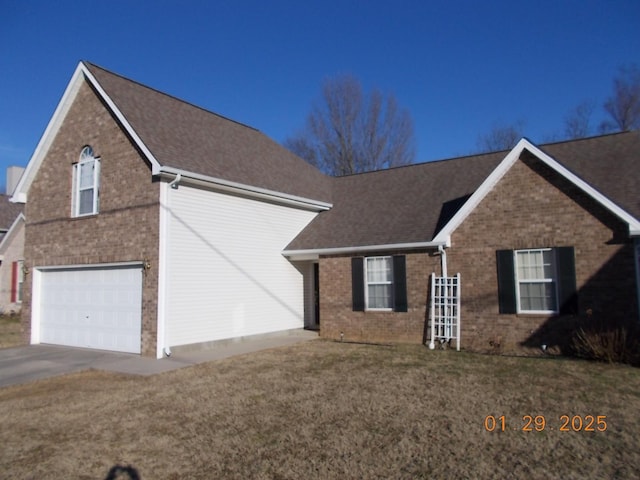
(120, 472)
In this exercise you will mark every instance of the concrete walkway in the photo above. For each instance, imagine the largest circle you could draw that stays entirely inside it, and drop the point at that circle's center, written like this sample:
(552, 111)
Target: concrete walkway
(24, 364)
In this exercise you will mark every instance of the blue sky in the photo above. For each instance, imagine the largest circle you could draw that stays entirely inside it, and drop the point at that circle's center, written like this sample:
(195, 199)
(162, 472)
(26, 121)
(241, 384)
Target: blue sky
(459, 67)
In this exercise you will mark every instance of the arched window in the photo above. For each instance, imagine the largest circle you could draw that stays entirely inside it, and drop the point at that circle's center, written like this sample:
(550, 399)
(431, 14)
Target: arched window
(86, 177)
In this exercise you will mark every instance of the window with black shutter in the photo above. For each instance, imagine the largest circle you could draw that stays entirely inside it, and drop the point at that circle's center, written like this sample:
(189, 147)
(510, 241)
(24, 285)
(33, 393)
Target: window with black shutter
(379, 283)
(540, 280)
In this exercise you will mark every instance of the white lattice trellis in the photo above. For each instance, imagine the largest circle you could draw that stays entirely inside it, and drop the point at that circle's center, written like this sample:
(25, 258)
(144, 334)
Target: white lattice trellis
(445, 310)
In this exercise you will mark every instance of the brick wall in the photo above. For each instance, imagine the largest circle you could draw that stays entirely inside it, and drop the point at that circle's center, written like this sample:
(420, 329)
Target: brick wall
(337, 316)
(534, 207)
(126, 229)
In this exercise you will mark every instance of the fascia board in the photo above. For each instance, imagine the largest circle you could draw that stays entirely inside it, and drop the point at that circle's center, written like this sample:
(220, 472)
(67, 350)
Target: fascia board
(243, 189)
(155, 165)
(599, 197)
(316, 252)
(20, 192)
(81, 73)
(445, 234)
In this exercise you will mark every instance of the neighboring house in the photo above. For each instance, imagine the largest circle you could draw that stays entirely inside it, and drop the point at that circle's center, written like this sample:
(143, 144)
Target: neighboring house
(155, 225)
(11, 255)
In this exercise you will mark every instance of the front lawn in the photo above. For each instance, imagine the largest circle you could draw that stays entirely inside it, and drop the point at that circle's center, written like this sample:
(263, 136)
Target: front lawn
(329, 410)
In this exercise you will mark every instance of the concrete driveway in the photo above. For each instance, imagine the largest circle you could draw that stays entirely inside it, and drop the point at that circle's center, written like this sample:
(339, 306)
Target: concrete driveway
(25, 364)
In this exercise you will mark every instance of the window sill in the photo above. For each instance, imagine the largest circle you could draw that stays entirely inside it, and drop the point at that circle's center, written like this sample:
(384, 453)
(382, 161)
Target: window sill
(537, 314)
(86, 215)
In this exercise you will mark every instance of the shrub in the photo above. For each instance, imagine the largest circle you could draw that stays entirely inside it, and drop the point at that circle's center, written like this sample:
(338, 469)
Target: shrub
(596, 340)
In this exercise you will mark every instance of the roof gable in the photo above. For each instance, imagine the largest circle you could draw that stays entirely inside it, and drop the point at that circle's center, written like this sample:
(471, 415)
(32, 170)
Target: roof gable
(7, 237)
(444, 235)
(179, 138)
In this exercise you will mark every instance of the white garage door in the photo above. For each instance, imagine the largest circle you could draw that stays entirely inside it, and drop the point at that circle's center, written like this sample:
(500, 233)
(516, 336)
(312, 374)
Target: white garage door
(92, 307)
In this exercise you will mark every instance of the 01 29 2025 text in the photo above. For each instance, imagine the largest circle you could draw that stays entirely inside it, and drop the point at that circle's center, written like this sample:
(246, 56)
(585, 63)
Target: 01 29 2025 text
(540, 423)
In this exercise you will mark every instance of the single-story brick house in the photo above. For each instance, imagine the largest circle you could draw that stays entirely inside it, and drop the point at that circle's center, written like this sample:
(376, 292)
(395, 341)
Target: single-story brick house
(154, 225)
(11, 255)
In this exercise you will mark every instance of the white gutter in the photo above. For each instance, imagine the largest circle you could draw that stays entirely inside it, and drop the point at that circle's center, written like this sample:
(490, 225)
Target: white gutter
(243, 189)
(314, 253)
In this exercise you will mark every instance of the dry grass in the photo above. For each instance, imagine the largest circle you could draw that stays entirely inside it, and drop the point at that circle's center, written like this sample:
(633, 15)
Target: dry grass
(327, 410)
(10, 331)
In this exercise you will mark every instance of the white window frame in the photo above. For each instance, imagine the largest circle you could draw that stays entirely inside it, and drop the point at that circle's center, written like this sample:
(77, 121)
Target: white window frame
(553, 279)
(19, 281)
(86, 158)
(367, 283)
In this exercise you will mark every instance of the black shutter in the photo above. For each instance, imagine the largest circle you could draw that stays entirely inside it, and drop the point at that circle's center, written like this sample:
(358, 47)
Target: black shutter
(506, 281)
(357, 283)
(567, 291)
(399, 284)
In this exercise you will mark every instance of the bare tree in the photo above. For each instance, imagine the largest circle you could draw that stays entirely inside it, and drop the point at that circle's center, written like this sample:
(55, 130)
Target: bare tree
(351, 132)
(501, 137)
(624, 105)
(577, 121)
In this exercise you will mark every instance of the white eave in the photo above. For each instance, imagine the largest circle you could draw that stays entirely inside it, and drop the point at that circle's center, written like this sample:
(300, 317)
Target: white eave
(314, 253)
(221, 185)
(444, 236)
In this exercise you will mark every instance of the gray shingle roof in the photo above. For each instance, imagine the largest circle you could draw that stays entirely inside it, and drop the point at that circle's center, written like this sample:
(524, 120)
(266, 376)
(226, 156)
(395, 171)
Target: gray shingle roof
(400, 205)
(410, 204)
(610, 164)
(192, 139)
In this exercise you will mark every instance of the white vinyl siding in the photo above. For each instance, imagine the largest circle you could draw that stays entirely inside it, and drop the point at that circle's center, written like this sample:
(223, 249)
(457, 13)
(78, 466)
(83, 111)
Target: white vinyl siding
(225, 274)
(536, 281)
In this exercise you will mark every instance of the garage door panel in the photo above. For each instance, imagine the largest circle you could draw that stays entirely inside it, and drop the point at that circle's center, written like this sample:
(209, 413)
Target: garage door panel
(92, 307)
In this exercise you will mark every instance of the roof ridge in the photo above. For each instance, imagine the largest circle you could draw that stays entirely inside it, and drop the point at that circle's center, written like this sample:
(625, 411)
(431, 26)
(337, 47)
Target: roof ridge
(590, 137)
(173, 97)
(424, 163)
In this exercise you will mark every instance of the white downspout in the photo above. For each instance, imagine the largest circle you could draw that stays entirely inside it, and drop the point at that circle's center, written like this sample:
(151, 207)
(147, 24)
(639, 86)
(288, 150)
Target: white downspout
(162, 347)
(443, 260)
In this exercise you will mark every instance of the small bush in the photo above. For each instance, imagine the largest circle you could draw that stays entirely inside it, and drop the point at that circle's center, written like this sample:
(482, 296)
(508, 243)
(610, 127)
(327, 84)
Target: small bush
(596, 340)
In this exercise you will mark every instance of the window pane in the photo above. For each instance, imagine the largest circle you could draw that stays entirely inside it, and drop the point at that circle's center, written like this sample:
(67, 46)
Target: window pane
(379, 269)
(535, 265)
(379, 296)
(86, 202)
(537, 296)
(86, 174)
